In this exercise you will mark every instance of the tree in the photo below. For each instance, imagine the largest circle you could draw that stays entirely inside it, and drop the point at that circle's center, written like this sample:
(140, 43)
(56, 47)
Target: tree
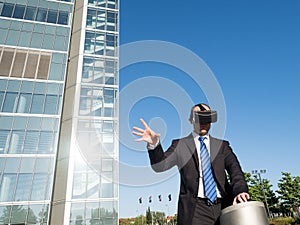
(289, 191)
(148, 216)
(260, 190)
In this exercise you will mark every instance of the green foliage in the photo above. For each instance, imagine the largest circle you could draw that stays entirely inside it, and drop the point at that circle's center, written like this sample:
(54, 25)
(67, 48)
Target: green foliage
(283, 221)
(289, 191)
(148, 216)
(260, 190)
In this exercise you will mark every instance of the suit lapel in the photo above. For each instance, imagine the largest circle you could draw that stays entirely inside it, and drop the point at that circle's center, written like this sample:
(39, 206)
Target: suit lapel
(192, 148)
(214, 148)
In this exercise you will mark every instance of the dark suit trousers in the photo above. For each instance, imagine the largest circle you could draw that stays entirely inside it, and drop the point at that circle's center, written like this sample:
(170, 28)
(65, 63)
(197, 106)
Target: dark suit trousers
(205, 214)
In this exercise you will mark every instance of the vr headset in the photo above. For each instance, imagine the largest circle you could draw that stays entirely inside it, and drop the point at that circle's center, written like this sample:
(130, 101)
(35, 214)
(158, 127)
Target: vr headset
(205, 116)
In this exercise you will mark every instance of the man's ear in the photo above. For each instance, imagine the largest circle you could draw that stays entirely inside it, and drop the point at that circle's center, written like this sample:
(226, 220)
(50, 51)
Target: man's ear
(191, 120)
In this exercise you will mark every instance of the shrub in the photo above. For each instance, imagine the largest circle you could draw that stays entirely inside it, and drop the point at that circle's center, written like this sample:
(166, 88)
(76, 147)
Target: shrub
(283, 221)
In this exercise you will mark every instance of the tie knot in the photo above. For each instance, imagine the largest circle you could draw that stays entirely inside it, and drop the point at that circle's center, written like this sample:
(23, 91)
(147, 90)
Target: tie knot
(201, 139)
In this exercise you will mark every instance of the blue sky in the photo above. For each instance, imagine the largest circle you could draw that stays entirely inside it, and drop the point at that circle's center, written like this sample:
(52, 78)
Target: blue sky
(251, 49)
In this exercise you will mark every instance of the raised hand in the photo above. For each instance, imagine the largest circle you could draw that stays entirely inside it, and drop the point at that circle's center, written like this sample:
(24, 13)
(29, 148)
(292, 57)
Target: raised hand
(146, 134)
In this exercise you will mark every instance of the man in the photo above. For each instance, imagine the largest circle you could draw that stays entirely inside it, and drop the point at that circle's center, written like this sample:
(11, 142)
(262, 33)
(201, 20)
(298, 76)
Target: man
(202, 161)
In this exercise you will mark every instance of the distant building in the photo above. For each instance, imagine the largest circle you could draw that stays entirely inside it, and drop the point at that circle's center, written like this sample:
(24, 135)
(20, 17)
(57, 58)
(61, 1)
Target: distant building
(58, 112)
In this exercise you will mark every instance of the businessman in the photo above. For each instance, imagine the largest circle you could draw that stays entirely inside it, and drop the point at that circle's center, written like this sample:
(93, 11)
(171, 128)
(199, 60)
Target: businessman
(204, 163)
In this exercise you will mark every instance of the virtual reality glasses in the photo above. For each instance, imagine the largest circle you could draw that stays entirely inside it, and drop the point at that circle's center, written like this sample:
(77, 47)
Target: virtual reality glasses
(205, 116)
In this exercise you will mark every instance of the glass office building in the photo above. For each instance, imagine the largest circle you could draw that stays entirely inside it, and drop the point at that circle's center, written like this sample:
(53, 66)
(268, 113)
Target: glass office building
(58, 112)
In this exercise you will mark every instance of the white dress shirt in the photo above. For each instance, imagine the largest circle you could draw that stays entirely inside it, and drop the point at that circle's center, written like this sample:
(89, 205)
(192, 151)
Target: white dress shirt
(207, 143)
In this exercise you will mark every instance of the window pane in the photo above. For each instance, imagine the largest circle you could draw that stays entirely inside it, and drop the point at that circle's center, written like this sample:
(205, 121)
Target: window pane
(12, 165)
(7, 187)
(1, 99)
(37, 104)
(7, 10)
(51, 104)
(36, 40)
(10, 102)
(42, 165)
(45, 143)
(41, 15)
(52, 16)
(63, 18)
(19, 11)
(24, 103)
(30, 13)
(38, 187)
(12, 37)
(18, 214)
(23, 187)
(27, 165)
(31, 141)
(4, 141)
(16, 142)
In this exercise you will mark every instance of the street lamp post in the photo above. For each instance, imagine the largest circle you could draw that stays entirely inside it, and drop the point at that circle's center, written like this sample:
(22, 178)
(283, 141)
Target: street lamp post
(259, 172)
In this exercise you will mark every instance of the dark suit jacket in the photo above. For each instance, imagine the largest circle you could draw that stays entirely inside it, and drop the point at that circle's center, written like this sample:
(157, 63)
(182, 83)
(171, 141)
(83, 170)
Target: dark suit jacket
(183, 154)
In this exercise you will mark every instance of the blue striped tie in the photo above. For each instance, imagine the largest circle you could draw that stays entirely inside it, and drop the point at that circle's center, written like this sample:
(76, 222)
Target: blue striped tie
(208, 179)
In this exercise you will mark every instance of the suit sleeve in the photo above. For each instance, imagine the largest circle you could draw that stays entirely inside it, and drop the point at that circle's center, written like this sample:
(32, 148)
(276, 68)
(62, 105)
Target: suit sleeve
(162, 161)
(235, 172)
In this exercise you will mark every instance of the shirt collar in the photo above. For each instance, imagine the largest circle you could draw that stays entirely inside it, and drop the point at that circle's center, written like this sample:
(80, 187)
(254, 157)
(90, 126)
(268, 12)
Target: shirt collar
(196, 136)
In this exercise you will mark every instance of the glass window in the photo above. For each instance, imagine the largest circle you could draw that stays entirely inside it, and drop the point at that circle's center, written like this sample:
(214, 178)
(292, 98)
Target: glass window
(48, 124)
(42, 165)
(20, 123)
(27, 86)
(18, 214)
(30, 13)
(35, 214)
(12, 165)
(79, 185)
(48, 41)
(16, 142)
(5, 122)
(12, 37)
(27, 26)
(106, 189)
(52, 16)
(3, 33)
(1, 99)
(10, 102)
(92, 210)
(36, 40)
(52, 88)
(40, 88)
(37, 104)
(19, 11)
(59, 43)
(13, 85)
(77, 211)
(24, 103)
(7, 186)
(51, 104)
(34, 123)
(55, 71)
(63, 18)
(7, 10)
(45, 143)
(3, 85)
(24, 39)
(39, 185)
(27, 165)
(4, 141)
(23, 187)
(107, 165)
(31, 141)
(41, 15)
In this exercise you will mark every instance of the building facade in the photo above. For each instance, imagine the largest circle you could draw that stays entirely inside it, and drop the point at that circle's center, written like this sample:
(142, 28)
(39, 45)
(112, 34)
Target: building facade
(58, 112)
